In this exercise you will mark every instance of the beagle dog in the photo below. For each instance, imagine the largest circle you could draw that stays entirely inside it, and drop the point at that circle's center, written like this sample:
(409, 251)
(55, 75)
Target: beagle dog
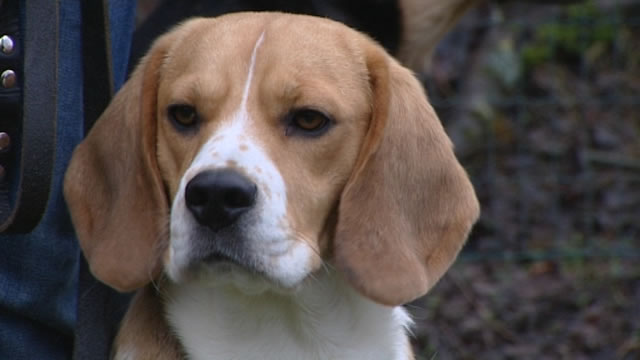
(275, 186)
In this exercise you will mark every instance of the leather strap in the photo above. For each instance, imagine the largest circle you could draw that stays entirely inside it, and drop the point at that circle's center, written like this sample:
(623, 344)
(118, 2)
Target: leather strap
(100, 309)
(29, 167)
(97, 64)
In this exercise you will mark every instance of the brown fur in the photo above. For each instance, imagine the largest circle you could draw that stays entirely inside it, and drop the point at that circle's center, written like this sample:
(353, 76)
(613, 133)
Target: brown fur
(409, 205)
(380, 195)
(112, 186)
(145, 331)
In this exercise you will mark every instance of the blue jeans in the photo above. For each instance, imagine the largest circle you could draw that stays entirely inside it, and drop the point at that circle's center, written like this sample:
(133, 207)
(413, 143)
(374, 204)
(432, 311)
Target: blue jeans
(39, 270)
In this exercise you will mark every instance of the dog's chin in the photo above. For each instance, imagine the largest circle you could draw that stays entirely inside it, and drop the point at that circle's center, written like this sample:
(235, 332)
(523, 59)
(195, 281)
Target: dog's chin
(227, 274)
(278, 263)
(233, 276)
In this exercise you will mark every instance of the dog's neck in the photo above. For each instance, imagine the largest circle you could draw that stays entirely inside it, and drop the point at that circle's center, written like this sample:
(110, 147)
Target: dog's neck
(323, 319)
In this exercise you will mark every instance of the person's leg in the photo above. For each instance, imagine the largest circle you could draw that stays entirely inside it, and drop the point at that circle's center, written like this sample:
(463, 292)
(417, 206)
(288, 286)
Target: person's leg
(38, 271)
(122, 16)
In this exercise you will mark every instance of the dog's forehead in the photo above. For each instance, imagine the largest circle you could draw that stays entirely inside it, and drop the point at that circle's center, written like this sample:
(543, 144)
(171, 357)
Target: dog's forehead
(297, 42)
(300, 61)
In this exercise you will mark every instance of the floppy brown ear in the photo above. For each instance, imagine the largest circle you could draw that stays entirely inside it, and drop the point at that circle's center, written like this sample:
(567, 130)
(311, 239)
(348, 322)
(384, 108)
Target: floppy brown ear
(408, 207)
(113, 188)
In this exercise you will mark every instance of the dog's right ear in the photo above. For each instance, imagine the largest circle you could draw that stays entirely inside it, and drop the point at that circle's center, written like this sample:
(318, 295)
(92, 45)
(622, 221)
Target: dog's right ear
(112, 186)
(408, 207)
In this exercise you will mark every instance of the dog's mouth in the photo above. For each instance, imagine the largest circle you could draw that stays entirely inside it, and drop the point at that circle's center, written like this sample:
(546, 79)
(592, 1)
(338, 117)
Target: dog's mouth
(224, 262)
(218, 258)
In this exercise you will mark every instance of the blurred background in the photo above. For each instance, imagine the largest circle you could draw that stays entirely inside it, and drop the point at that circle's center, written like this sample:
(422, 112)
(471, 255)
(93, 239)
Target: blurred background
(542, 100)
(543, 104)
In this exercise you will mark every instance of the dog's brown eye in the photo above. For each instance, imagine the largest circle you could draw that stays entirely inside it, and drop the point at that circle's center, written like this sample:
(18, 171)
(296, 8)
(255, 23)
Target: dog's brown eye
(183, 116)
(308, 122)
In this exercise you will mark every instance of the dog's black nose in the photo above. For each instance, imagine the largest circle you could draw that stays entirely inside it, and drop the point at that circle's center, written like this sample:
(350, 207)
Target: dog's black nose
(216, 198)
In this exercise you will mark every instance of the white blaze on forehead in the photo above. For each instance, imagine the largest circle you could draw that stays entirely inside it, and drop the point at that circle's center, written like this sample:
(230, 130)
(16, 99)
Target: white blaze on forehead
(247, 85)
(266, 227)
(234, 146)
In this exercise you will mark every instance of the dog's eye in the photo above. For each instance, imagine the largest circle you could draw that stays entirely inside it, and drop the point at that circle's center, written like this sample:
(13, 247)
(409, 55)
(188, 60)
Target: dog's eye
(183, 116)
(307, 122)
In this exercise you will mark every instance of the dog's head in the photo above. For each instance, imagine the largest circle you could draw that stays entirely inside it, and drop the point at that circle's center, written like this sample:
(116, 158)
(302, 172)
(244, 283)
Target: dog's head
(268, 144)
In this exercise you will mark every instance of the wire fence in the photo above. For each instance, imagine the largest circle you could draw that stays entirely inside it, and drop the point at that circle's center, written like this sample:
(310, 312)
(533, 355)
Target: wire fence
(543, 104)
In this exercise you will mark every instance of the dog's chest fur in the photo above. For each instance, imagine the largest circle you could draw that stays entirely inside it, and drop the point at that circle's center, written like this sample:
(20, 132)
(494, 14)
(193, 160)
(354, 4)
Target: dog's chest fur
(323, 320)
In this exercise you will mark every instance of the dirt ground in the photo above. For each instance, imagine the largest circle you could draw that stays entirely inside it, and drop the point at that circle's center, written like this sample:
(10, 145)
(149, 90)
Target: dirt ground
(580, 309)
(543, 103)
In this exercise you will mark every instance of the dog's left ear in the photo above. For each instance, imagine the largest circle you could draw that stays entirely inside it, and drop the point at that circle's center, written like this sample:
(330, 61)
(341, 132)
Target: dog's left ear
(408, 206)
(113, 188)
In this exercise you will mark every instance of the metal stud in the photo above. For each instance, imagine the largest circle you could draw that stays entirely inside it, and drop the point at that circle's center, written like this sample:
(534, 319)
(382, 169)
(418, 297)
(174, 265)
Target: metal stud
(8, 79)
(6, 44)
(5, 141)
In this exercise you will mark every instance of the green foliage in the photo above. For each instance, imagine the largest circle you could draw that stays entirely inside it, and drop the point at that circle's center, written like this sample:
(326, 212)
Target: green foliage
(580, 29)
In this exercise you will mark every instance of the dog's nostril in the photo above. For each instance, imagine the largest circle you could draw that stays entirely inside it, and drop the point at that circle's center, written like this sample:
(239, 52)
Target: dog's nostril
(217, 198)
(195, 195)
(240, 197)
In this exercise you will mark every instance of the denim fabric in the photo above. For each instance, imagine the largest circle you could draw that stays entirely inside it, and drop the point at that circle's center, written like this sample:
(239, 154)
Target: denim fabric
(38, 271)
(122, 14)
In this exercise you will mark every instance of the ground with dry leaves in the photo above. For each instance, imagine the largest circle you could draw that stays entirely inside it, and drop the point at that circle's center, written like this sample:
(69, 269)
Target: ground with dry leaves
(543, 103)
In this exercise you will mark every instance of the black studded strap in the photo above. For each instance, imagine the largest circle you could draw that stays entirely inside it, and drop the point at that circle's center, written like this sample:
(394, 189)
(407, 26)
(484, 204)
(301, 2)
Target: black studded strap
(28, 105)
